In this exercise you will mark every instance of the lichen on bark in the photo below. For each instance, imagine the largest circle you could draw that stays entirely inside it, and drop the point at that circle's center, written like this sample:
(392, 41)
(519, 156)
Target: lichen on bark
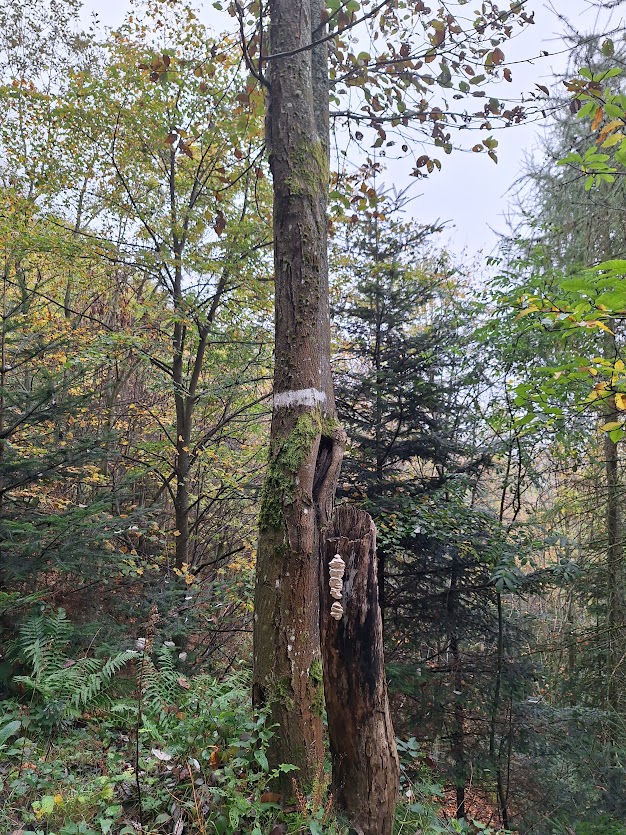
(310, 169)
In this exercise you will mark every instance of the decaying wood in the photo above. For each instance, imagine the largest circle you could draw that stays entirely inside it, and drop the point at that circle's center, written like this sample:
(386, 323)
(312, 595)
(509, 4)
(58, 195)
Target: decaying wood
(365, 760)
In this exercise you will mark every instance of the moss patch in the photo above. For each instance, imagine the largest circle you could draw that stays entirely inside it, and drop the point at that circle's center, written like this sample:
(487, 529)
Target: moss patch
(310, 168)
(279, 487)
(316, 676)
(281, 692)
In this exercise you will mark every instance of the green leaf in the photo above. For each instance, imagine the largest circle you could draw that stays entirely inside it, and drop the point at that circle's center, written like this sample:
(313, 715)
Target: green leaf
(47, 804)
(587, 109)
(260, 757)
(9, 729)
(608, 47)
(617, 265)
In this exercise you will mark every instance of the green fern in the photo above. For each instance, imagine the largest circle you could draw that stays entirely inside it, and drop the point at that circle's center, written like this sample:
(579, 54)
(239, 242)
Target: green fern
(100, 679)
(65, 685)
(160, 682)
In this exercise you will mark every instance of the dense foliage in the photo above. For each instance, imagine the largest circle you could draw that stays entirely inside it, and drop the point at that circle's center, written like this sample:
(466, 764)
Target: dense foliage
(485, 422)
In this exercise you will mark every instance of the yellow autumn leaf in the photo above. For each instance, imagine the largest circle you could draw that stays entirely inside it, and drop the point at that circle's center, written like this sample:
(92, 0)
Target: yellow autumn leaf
(610, 426)
(532, 309)
(614, 124)
(620, 402)
(597, 324)
(613, 140)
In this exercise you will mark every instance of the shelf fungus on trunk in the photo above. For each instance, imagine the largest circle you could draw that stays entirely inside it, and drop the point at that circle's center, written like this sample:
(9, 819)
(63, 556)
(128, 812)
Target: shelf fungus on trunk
(336, 568)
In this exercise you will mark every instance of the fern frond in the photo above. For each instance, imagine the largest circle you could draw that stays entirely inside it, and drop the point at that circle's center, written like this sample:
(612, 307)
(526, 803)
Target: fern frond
(98, 681)
(72, 683)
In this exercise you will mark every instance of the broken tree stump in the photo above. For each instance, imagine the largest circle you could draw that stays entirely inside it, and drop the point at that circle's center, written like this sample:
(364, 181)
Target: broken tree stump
(362, 742)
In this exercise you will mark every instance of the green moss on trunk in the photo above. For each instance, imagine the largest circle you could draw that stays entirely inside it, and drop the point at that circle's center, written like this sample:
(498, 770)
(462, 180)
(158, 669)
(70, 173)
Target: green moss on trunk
(279, 487)
(316, 676)
(310, 169)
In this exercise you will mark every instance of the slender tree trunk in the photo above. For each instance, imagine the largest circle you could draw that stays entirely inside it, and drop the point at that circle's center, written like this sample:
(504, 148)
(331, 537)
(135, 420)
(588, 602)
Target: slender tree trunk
(378, 425)
(306, 444)
(457, 736)
(616, 592)
(365, 761)
(182, 464)
(616, 608)
(3, 374)
(495, 710)
(615, 570)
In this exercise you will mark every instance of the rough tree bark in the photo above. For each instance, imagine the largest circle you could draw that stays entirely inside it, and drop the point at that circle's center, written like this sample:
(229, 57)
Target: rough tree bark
(363, 748)
(306, 443)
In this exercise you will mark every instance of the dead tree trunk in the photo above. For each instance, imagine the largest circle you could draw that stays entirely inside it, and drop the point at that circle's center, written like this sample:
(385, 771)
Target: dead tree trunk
(363, 748)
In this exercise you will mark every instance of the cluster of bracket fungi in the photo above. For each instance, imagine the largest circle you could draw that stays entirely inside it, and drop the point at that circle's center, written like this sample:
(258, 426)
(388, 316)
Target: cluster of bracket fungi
(336, 567)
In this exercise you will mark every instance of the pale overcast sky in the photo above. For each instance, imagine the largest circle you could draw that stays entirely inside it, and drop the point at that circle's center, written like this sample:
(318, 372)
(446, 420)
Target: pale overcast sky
(471, 193)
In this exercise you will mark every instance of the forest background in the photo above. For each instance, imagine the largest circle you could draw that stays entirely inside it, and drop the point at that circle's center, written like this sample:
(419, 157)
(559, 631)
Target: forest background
(484, 418)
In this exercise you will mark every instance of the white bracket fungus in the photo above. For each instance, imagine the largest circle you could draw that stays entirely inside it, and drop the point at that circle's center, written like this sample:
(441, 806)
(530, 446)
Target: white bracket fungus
(336, 610)
(336, 568)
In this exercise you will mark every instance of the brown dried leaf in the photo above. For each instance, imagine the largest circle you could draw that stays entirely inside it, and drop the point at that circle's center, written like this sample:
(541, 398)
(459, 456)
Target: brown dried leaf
(270, 797)
(220, 223)
(597, 119)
